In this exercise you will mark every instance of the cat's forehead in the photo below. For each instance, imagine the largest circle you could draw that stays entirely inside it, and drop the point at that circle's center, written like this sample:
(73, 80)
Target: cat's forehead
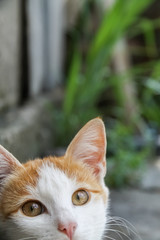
(54, 188)
(61, 170)
(63, 176)
(53, 180)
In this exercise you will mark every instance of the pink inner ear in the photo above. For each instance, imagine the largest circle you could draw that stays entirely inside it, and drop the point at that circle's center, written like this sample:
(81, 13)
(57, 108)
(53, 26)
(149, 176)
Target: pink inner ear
(6, 165)
(7, 162)
(89, 146)
(97, 159)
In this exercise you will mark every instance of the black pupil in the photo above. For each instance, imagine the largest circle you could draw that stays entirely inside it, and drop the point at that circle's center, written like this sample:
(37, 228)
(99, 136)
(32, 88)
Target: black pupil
(33, 207)
(78, 196)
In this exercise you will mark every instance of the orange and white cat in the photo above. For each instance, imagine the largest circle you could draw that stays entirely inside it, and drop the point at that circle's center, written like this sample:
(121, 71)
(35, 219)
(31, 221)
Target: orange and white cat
(57, 198)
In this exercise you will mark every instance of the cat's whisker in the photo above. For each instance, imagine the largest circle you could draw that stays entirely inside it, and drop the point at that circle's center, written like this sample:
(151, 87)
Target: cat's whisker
(121, 222)
(26, 238)
(119, 233)
(125, 221)
(119, 225)
(109, 238)
(130, 227)
(117, 219)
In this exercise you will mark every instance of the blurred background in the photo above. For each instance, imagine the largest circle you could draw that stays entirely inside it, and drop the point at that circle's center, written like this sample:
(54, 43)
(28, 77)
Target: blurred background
(64, 62)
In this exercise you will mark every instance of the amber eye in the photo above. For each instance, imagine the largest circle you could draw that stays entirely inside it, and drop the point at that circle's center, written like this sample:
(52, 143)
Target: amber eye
(32, 208)
(80, 197)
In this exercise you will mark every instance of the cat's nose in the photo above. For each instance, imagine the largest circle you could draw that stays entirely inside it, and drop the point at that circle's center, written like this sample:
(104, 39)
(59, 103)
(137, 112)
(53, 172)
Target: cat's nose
(68, 229)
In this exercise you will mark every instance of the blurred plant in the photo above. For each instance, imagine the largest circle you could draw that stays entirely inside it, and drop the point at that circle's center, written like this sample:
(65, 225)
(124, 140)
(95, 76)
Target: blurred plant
(126, 156)
(151, 97)
(90, 75)
(146, 27)
(150, 103)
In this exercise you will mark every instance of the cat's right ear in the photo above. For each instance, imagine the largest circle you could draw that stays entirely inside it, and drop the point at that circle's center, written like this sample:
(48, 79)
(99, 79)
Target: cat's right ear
(89, 147)
(8, 163)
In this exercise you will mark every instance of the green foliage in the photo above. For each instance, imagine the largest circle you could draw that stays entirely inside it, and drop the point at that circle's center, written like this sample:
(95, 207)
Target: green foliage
(90, 75)
(88, 78)
(114, 25)
(150, 103)
(146, 27)
(72, 86)
(125, 158)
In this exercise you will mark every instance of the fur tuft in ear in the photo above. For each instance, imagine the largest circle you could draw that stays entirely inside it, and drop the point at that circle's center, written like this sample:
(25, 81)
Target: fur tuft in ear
(89, 146)
(7, 163)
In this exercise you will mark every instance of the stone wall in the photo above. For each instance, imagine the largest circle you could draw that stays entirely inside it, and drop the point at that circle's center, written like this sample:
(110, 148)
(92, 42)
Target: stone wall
(9, 52)
(27, 132)
(24, 130)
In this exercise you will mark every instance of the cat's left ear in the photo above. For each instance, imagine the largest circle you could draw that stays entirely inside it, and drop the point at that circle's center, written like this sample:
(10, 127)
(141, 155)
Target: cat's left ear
(8, 163)
(89, 146)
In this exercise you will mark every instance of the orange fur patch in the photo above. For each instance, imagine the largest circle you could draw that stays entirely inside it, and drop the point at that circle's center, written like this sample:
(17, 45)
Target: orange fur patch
(15, 189)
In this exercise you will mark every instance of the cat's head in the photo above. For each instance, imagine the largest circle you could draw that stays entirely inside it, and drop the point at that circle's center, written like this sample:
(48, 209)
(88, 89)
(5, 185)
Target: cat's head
(54, 198)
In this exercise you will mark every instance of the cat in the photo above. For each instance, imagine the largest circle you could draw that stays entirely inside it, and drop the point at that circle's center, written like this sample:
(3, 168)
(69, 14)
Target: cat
(57, 198)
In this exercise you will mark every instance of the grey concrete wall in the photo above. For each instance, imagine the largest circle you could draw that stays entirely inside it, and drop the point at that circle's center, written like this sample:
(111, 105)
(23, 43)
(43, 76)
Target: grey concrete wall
(45, 42)
(9, 52)
(27, 132)
(36, 52)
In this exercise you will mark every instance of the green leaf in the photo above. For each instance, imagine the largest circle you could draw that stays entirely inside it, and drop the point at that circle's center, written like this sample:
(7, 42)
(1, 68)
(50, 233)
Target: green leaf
(116, 21)
(72, 84)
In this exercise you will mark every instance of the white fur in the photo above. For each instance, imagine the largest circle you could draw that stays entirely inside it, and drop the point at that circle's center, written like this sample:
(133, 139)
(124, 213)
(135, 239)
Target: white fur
(54, 189)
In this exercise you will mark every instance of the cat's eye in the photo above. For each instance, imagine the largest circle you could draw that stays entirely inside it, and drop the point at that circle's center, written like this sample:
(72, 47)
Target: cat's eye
(80, 197)
(32, 208)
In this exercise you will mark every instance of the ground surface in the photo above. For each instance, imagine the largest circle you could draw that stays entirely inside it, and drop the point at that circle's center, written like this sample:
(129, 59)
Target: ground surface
(141, 207)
